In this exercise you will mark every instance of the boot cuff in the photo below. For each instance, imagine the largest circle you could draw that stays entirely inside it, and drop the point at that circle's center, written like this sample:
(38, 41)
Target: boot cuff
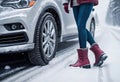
(93, 44)
(82, 49)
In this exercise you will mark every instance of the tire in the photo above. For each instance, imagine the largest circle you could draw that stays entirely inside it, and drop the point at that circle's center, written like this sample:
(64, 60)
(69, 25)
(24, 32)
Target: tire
(92, 27)
(45, 40)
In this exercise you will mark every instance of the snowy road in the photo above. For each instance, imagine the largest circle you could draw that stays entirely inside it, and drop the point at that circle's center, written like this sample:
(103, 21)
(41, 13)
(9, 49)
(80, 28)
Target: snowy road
(109, 40)
(23, 68)
(59, 71)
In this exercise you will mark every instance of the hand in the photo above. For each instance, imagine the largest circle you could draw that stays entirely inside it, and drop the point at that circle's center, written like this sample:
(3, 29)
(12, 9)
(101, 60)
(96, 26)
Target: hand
(66, 8)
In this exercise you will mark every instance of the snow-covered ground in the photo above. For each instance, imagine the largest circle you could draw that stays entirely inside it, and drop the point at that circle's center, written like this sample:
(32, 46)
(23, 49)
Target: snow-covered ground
(109, 40)
(58, 70)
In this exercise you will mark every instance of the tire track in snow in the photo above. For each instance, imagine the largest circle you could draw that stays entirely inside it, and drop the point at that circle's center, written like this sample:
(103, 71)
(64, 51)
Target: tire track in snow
(29, 73)
(12, 72)
(52, 72)
(100, 75)
(112, 36)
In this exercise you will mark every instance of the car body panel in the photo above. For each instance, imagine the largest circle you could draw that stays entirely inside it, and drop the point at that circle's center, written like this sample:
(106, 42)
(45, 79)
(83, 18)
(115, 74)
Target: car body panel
(29, 17)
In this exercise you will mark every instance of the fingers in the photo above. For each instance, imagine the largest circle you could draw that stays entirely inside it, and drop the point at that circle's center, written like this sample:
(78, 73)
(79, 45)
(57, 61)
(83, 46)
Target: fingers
(66, 8)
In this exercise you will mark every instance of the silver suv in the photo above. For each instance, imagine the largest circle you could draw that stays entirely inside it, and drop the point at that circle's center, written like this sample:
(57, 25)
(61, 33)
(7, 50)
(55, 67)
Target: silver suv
(36, 26)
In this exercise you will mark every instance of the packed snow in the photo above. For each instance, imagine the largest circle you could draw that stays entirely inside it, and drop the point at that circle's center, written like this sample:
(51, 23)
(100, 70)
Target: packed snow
(58, 70)
(108, 39)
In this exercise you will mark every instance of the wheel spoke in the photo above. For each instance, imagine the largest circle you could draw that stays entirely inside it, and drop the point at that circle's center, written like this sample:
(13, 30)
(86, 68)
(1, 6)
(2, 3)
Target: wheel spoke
(52, 40)
(44, 35)
(52, 33)
(51, 47)
(45, 48)
(48, 50)
(48, 26)
(44, 43)
(51, 26)
(49, 23)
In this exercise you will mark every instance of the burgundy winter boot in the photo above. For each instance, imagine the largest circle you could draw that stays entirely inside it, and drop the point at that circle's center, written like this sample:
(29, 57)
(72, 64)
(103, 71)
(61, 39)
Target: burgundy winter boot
(83, 60)
(100, 56)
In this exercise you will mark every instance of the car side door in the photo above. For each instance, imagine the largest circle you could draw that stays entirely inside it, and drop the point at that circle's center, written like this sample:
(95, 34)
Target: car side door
(68, 20)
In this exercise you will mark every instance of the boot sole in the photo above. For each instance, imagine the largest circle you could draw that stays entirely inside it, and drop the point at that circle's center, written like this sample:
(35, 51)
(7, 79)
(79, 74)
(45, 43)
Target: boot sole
(101, 60)
(86, 66)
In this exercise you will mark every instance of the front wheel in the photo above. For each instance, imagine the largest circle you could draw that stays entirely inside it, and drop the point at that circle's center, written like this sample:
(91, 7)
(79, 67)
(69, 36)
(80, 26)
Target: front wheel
(45, 40)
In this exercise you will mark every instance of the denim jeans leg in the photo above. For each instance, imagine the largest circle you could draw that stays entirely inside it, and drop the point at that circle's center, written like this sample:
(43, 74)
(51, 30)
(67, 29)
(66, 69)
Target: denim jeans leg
(81, 14)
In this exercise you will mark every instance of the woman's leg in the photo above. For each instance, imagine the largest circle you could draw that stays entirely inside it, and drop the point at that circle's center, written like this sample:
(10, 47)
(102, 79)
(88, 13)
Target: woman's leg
(90, 38)
(83, 60)
(81, 14)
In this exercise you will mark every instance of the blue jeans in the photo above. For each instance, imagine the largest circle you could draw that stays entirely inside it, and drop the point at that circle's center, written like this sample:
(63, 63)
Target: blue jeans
(81, 15)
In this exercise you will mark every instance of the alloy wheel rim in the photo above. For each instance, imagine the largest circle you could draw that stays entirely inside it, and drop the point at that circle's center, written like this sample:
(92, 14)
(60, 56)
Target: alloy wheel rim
(48, 38)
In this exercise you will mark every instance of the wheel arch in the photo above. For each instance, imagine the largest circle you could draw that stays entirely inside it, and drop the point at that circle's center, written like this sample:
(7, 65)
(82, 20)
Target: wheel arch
(55, 13)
